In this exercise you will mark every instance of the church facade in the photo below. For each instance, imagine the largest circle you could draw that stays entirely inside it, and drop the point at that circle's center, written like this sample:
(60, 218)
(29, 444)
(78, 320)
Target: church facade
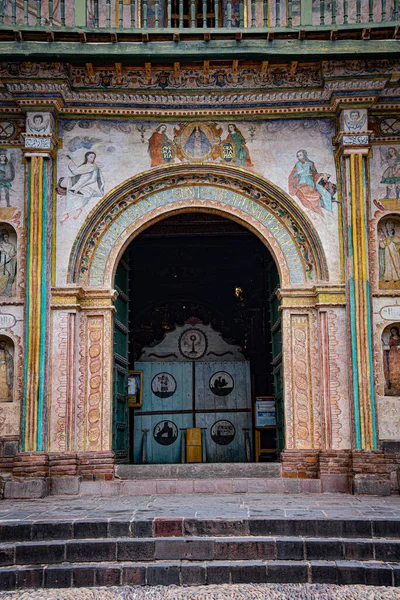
(281, 117)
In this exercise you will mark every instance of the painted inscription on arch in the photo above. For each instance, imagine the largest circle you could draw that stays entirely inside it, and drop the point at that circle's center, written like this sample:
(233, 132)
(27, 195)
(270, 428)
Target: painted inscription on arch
(197, 192)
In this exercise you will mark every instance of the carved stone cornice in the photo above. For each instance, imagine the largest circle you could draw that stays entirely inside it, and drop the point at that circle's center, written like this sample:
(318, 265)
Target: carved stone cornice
(320, 296)
(80, 299)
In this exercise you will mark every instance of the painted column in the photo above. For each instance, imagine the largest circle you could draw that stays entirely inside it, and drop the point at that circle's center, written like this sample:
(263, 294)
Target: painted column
(39, 142)
(354, 152)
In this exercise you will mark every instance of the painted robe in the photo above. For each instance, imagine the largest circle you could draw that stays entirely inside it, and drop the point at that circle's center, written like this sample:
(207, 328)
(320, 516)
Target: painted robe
(6, 375)
(85, 182)
(303, 183)
(391, 247)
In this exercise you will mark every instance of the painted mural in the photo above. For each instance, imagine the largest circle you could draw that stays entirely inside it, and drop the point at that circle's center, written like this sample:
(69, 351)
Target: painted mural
(385, 178)
(391, 353)
(8, 260)
(92, 149)
(6, 369)
(389, 253)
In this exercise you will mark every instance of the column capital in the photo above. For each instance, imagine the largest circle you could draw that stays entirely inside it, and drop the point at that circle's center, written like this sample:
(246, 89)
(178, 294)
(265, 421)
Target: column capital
(315, 297)
(80, 299)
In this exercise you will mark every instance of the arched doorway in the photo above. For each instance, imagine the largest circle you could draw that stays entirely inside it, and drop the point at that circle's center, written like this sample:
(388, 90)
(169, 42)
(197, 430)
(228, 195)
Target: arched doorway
(197, 278)
(310, 306)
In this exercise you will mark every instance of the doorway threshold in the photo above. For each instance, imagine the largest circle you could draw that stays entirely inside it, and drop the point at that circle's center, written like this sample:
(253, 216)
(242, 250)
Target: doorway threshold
(199, 471)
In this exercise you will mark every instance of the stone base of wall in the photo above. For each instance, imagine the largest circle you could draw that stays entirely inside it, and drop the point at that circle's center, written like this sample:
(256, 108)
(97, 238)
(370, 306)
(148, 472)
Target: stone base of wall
(359, 472)
(96, 465)
(8, 449)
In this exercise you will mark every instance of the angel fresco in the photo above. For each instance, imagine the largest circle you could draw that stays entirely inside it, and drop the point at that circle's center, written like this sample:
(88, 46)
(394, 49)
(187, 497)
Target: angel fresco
(85, 182)
(314, 190)
(160, 147)
(240, 154)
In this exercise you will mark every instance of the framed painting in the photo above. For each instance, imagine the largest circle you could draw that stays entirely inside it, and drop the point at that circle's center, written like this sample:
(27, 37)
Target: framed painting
(135, 389)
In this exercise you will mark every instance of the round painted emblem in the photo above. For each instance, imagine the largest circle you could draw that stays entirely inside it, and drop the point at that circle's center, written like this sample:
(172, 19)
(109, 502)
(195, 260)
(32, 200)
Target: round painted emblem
(163, 385)
(197, 141)
(193, 343)
(221, 383)
(165, 433)
(223, 433)
(7, 130)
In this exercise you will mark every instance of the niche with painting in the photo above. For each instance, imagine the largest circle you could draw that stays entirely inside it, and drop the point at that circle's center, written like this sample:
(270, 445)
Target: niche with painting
(391, 359)
(8, 260)
(389, 253)
(6, 369)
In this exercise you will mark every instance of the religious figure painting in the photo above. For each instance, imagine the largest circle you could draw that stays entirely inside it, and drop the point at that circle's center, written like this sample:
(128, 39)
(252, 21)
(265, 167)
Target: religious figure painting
(8, 261)
(391, 174)
(197, 141)
(314, 190)
(39, 123)
(6, 370)
(161, 148)
(235, 149)
(7, 176)
(389, 253)
(391, 354)
(85, 181)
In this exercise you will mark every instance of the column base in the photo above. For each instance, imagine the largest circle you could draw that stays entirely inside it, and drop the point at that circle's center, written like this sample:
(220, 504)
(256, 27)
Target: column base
(334, 471)
(96, 465)
(370, 473)
(300, 464)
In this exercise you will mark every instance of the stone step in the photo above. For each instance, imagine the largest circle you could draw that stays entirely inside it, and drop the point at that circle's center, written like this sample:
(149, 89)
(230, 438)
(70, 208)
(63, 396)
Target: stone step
(179, 527)
(199, 573)
(197, 549)
(199, 471)
(222, 485)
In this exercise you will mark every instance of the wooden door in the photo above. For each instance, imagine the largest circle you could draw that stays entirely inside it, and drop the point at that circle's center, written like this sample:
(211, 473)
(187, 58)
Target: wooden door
(277, 367)
(120, 426)
(167, 408)
(223, 406)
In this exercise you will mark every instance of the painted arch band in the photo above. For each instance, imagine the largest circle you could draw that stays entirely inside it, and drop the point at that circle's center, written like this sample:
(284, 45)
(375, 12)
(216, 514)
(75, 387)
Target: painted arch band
(266, 210)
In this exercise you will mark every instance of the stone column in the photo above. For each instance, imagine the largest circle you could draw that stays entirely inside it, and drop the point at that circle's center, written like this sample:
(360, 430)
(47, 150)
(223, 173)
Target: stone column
(368, 466)
(39, 145)
(354, 152)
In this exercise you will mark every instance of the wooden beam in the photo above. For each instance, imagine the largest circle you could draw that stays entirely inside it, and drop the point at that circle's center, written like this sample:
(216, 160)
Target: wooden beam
(82, 37)
(235, 65)
(118, 69)
(177, 69)
(239, 36)
(334, 35)
(176, 37)
(147, 67)
(89, 69)
(366, 33)
(293, 66)
(207, 36)
(264, 66)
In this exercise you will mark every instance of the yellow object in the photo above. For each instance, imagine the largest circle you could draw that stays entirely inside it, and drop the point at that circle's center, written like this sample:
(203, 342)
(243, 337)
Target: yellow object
(193, 445)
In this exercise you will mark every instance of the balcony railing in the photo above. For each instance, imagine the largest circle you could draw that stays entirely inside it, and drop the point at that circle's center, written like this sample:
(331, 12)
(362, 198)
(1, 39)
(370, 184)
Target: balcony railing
(194, 14)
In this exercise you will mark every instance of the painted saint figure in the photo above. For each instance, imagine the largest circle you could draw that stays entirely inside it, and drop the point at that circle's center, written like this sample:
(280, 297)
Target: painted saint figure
(6, 373)
(390, 247)
(394, 360)
(313, 189)
(197, 145)
(156, 143)
(8, 263)
(85, 182)
(391, 175)
(241, 152)
(7, 175)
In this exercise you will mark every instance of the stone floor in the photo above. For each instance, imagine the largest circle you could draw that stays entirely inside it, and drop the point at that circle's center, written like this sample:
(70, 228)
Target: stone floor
(202, 506)
(214, 592)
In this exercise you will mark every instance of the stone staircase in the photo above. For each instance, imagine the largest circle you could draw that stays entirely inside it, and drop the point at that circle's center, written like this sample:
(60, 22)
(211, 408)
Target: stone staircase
(190, 551)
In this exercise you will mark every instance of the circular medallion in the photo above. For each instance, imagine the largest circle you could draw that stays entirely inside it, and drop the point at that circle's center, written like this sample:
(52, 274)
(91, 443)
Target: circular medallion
(193, 343)
(197, 141)
(221, 383)
(223, 433)
(390, 126)
(7, 130)
(163, 385)
(165, 433)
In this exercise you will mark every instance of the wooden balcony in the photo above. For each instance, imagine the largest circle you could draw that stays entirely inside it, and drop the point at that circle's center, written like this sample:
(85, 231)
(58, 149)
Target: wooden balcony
(171, 29)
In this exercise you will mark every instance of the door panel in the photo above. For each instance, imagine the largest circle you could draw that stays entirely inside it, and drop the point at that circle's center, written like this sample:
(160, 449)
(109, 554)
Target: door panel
(160, 399)
(120, 428)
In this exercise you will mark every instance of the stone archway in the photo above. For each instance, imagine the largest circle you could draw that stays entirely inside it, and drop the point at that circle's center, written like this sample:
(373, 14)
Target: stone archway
(305, 293)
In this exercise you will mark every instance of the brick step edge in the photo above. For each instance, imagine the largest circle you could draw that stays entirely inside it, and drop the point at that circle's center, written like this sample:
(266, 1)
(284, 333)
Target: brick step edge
(200, 573)
(10, 531)
(197, 549)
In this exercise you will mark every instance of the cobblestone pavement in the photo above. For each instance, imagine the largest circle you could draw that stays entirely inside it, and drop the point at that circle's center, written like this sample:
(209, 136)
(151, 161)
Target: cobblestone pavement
(215, 592)
(202, 506)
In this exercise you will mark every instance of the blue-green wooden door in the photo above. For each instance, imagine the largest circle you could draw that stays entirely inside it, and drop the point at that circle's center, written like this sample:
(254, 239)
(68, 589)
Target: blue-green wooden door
(167, 408)
(178, 395)
(277, 366)
(120, 427)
